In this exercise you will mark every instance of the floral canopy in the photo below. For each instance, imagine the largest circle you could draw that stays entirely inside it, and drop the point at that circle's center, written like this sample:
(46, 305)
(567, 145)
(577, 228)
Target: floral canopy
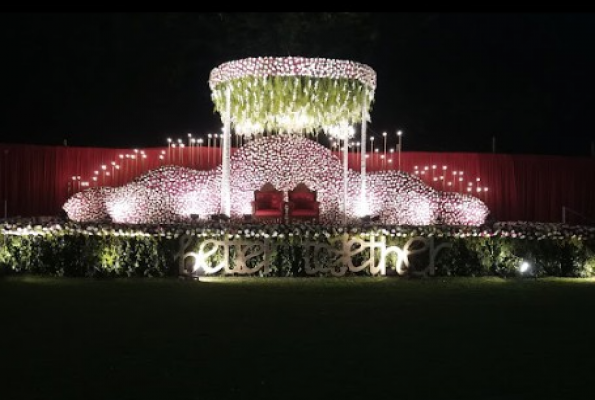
(293, 94)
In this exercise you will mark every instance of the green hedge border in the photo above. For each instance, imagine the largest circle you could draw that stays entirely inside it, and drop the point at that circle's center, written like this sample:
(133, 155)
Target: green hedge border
(112, 251)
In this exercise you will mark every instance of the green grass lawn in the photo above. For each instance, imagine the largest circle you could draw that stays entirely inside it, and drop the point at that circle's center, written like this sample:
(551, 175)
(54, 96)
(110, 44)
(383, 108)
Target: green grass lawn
(316, 338)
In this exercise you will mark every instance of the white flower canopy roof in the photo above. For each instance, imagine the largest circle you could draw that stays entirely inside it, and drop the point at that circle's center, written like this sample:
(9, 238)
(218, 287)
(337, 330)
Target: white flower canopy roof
(293, 94)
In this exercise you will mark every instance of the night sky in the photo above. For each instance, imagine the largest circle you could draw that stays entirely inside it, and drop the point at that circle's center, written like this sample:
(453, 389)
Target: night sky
(450, 81)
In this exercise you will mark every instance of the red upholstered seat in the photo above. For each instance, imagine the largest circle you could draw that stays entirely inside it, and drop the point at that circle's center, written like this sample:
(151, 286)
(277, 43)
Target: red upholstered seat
(267, 213)
(304, 212)
(303, 199)
(303, 204)
(268, 204)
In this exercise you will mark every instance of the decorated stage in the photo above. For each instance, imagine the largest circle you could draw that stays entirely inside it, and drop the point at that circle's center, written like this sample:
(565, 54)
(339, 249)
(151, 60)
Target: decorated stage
(356, 171)
(176, 216)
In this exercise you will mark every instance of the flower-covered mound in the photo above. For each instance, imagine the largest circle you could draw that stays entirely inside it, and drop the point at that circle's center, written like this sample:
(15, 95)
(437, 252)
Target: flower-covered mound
(173, 194)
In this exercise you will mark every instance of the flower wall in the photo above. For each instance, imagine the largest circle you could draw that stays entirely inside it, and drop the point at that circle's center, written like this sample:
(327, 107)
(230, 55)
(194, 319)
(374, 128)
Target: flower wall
(173, 194)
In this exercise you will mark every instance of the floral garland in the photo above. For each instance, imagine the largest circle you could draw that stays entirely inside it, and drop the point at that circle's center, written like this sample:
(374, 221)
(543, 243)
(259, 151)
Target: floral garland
(292, 94)
(293, 66)
(514, 230)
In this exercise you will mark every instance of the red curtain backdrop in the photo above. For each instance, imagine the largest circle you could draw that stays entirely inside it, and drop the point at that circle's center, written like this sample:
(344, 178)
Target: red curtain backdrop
(37, 180)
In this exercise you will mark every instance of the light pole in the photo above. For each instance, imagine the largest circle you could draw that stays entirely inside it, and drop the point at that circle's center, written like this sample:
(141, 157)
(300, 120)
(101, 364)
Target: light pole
(372, 150)
(221, 145)
(136, 157)
(443, 177)
(180, 154)
(384, 159)
(346, 133)
(142, 160)
(113, 163)
(363, 155)
(168, 150)
(399, 137)
(199, 151)
(103, 168)
(190, 141)
(218, 147)
(226, 155)
(192, 147)
(209, 150)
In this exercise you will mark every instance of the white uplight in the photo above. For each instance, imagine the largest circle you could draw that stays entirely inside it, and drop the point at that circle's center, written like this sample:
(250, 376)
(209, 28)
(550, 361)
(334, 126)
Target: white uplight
(525, 266)
(362, 209)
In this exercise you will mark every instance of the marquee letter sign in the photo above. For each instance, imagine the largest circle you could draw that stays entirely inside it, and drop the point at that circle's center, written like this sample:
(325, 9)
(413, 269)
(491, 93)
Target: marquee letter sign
(342, 254)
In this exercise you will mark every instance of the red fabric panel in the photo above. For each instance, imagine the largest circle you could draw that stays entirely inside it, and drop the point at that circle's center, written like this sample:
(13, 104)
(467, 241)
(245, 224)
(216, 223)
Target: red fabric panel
(37, 180)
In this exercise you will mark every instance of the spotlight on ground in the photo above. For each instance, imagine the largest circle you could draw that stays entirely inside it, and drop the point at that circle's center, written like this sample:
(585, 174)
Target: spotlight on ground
(525, 267)
(527, 270)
